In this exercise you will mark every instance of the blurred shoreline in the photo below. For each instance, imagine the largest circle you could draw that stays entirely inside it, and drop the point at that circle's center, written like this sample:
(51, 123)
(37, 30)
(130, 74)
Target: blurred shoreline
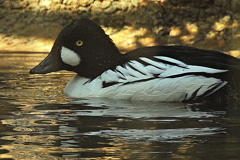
(32, 26)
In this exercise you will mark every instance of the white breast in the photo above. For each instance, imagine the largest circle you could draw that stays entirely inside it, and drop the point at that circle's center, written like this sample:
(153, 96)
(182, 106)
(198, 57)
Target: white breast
(135, 81)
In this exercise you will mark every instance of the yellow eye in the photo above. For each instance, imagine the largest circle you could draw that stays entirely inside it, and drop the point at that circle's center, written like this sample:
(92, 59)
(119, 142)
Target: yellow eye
(79, 43)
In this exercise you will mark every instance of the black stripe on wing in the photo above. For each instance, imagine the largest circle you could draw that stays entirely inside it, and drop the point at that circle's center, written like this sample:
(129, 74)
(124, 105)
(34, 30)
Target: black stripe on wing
(137, 81)
(147, 64)
(207, 93)
(204, 74)
(131, 66)
(194, 94)
(168, 62)
(108, 84)
(212, 90)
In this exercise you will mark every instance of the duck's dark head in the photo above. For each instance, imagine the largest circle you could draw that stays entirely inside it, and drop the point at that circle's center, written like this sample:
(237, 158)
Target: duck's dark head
(82, 47)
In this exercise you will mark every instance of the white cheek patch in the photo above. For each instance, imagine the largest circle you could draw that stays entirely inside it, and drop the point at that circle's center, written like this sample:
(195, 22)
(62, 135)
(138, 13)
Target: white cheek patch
(70, 57)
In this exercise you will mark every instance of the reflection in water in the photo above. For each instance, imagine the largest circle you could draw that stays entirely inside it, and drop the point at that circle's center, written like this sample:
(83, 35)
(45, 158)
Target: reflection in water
(105, 128)
(37, 122)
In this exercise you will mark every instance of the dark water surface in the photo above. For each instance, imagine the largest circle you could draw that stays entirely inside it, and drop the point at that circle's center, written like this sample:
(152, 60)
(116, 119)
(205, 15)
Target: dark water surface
(38, 122)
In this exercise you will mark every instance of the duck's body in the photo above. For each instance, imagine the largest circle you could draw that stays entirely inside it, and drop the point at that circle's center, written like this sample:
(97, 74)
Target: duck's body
(160, 73)
(185, 88)
(155, 78)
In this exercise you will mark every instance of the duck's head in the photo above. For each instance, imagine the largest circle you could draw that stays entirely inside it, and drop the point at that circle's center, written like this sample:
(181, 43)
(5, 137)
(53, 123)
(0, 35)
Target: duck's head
(82, 47)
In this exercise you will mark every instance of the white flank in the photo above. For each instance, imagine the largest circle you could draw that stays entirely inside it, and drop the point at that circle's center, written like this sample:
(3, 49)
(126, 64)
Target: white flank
(70, 57)
(135, 81)
(159, 89)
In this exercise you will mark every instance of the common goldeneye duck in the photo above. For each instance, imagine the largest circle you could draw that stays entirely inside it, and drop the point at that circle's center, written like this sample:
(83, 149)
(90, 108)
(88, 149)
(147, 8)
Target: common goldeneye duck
(158, 73)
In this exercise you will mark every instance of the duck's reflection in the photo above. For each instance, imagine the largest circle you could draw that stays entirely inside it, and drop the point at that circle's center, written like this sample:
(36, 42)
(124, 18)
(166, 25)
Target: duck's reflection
(139, 109)
(105, 128)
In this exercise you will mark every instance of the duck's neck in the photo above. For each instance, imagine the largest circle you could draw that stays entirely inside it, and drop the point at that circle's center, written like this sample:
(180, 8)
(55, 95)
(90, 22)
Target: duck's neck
(101, 61)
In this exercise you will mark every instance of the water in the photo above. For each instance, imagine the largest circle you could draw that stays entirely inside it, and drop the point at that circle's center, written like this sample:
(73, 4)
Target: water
(38, 122)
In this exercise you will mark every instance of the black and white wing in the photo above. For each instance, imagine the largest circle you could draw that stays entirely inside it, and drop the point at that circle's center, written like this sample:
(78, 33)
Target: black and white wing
(186, 81)
(190, 81)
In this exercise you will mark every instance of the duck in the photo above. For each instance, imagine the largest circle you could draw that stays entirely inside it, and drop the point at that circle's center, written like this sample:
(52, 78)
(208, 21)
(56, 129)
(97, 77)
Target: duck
(154, 73)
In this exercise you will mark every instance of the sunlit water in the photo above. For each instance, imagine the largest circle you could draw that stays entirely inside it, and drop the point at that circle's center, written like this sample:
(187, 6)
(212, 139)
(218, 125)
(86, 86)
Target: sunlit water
(38, 122)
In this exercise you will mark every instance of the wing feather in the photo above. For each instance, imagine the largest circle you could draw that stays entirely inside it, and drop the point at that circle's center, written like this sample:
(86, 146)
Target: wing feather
(199, 81)
(135, 71)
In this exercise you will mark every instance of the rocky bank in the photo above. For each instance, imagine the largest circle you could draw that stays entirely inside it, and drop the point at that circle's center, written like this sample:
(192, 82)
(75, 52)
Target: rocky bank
(30, 25)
